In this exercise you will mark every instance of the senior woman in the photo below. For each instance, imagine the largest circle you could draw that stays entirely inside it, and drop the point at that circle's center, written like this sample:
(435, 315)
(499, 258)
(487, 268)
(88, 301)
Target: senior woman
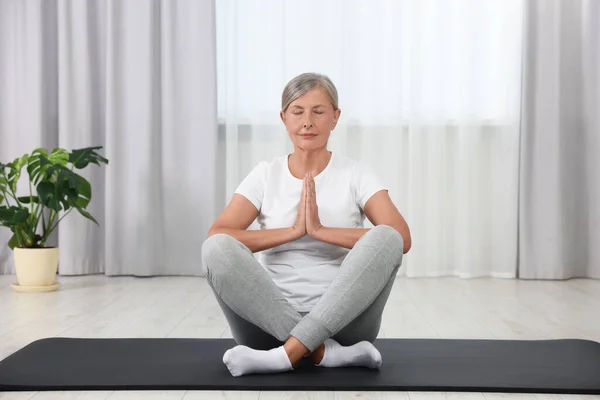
(321, 282)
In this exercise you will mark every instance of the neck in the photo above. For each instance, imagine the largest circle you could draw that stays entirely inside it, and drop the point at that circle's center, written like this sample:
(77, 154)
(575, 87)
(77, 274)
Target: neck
(301, 162)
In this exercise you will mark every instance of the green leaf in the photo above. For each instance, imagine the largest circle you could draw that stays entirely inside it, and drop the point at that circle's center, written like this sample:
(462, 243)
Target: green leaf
(41, 151)
(3, 184)
(66, 195)
(47, 192)
(13, 216)
(72, 179)
(49, 168)
(43, 165)
(76, 190)
(87, 215)
(12, 242)
(80, 158)
(27, 199)
(10, 174)
(85, 194)
(59, 156)
(15, 173)
(37, 165)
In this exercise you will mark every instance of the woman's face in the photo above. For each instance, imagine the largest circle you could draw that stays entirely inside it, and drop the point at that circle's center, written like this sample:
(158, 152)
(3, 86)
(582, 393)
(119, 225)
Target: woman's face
(309, 120)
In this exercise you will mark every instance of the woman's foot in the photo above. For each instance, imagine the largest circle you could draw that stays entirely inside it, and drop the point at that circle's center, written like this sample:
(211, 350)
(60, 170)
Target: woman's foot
(362, 354)
(242, 360)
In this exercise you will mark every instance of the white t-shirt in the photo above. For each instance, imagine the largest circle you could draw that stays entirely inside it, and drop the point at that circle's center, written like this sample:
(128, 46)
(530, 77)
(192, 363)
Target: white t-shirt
(303, 269)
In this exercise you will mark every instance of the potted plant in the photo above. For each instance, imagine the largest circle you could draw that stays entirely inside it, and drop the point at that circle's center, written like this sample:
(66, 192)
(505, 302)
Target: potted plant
(55, 189)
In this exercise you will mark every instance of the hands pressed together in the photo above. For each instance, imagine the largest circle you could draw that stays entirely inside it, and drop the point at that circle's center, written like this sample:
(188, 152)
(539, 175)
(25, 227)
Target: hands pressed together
(307, 221)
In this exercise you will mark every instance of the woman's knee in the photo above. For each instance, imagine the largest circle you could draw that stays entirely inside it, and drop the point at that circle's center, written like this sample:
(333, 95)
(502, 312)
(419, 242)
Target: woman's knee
(386, 232)
(214, 249)
(394, 243)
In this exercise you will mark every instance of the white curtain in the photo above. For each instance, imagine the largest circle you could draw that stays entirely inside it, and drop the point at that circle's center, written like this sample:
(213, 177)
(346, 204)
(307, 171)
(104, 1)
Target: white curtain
(430, 98)
(560, 200)
(28, 87)
(185, 95)
(137, 77)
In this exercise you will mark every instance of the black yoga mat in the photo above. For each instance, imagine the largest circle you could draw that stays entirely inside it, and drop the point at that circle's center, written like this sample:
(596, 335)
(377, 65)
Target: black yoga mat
(545, 366)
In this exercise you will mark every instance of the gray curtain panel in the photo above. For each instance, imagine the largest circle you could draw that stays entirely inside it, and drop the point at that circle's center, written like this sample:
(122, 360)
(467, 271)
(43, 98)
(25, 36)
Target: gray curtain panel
(139, 78)
(559, 218)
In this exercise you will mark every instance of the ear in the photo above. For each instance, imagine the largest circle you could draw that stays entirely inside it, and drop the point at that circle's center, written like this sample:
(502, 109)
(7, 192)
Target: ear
(282, 116)
(336, 117)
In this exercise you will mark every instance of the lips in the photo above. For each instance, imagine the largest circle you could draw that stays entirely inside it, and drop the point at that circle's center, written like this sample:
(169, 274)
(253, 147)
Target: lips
(307, 135)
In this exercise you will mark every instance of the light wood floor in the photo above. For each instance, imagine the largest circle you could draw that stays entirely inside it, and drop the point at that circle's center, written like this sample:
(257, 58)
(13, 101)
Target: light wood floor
(100, 306)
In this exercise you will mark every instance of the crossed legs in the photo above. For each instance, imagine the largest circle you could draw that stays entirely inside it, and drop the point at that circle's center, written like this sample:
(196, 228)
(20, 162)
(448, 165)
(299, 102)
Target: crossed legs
(340, 328)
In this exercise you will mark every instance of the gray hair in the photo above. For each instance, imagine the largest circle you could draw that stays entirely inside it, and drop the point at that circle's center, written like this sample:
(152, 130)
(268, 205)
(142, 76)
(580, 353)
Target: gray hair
(306, 82)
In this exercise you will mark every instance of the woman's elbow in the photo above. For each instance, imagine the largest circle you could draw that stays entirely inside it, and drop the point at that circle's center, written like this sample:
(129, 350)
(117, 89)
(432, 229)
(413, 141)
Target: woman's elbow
(407, 243)
(213, 231)
(406, 238)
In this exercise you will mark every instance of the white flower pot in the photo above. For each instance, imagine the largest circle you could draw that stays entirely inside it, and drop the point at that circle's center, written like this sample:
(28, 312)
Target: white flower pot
(36, 269)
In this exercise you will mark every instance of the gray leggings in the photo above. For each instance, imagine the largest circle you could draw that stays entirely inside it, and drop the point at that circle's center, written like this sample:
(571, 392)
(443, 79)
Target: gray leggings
(349, 311)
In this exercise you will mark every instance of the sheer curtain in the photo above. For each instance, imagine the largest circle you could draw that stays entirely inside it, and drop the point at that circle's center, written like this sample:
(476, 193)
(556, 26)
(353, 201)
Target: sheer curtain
(560, 196)
(430, 98)
(139, 78)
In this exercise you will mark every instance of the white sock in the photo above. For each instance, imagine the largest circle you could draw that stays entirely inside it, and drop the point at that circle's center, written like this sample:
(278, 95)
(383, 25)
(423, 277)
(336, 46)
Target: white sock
(362, 354)
(242, 360)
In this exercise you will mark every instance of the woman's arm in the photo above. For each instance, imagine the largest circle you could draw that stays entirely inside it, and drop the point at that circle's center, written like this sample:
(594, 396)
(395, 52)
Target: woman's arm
(344, 237)
(380, 210)
(237, 217)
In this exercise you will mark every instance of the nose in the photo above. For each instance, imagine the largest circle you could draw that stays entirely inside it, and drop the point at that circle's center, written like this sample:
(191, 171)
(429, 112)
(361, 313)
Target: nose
(308, 122)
